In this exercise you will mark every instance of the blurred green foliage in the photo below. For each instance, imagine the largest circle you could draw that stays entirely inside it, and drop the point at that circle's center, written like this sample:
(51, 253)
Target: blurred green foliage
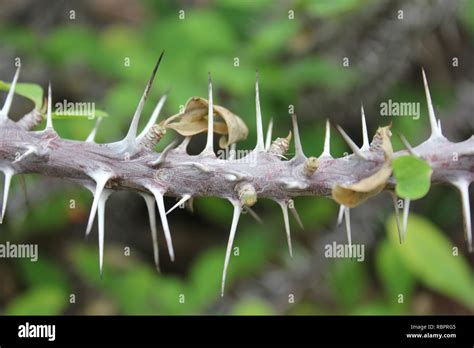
(231, 39)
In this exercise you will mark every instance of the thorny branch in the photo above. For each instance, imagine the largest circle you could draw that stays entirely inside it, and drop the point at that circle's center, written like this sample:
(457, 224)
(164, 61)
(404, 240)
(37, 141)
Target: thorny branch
(131, 164)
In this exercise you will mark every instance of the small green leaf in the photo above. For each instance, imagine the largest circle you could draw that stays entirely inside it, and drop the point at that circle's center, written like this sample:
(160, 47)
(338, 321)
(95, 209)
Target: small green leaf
(413, 177)
(31, 91)
(429, 256)
(64, 115)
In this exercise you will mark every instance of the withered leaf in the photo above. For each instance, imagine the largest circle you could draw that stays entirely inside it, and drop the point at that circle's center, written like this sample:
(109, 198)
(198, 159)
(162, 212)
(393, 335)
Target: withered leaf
(194, 121)
(355, 194)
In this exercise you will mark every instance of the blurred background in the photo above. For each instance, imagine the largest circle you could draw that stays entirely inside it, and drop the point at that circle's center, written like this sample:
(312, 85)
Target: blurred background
(299, 48)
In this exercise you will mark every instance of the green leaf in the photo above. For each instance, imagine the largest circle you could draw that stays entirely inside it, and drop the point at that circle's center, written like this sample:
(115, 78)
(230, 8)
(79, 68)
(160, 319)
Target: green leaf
(31, 91)
(395, 276)
(348, 280)
(65, 115)
(413, 177)
(41, 300)
(428, 254)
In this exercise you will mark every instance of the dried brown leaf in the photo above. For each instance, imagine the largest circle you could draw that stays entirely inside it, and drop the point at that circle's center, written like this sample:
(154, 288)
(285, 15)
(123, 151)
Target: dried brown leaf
(194, 121)
(353, 195)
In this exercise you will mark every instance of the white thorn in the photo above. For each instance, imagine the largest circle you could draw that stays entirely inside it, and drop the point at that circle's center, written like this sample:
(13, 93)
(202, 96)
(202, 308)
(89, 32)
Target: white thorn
(254, 215)
(209, 149)
(284, 209)
(347, 218)
(164, 221)
(49, 113)
(268, 140)
(340, 215)
(232, 152)
(6, 189)
(407, 145)
(101, 179)
(150, 204)
(91, 137)
(406, 212)
(397, 215)
(31, 149)
(130, 139)
(233, 229)
(184, 145)
(295, 214)
(351, 144)
(463, 187)
(153, 118)
(435, 131)
(101, 230)
(327, 141)
(298, 148)
(260, 144)
(439, 126)
(365, 137)
(162, 157)
(180, 202)
(8, 101)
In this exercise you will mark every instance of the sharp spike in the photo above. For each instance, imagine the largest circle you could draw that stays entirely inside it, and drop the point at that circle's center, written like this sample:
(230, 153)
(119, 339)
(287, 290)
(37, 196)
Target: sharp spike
(209, 149)
(260, 144)
(8, 173)
(284, 209)
(435, 131)
(150, 204)
(406, 212)
(180, 202)
(365, 137)
(397, 215)
(101, 230)
(439, 127)
(295, 214)
(162, 157)
(184, 145)
(28, 152)
(164, 221)
(407, 145)
(254, 215)
(268, 140)
(49, 113)
(130, 138)
(154, 117)
(351, 144)
(8, 101)
(100, 179)
(232, 152)
(340, 215)
(298, 148)
(463, 187)
(233, 229)
(347, 218)
(91, 136)
(327, 141)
